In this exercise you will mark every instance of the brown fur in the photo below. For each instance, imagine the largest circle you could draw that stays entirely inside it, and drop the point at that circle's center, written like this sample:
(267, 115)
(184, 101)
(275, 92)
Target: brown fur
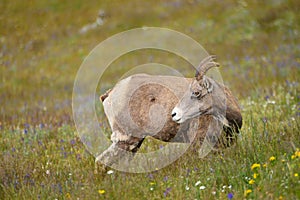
(105, 95)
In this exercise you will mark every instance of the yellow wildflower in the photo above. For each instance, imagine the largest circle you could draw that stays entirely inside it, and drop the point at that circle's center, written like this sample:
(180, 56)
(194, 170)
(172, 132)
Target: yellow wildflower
(296, 174)
(265, 165)
(255, 165)
(68, 196)
(101, 191)
(293, 157)
(272, 158)
(297, 153)
(152, 183)
(280, 197)
(247, 192)
(251, 182)
(255, 175)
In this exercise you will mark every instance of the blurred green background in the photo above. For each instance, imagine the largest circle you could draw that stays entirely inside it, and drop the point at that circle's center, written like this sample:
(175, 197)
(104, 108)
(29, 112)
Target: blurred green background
(41, 48)
(42, 45)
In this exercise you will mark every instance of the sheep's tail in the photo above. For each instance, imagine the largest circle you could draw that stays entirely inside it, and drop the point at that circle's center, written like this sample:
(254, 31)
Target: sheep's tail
(105, 95)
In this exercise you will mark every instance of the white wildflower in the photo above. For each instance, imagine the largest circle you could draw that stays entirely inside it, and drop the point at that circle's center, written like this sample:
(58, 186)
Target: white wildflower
(197, 183)
(202, 187)
(271, 102)
(110, 172)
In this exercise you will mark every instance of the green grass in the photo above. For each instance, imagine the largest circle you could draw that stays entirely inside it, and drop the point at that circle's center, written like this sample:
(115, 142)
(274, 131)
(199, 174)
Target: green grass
(41, 51)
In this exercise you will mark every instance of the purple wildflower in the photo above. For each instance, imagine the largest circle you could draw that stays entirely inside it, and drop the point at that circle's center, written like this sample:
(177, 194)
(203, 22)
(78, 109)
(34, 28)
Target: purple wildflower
(267, 97)
(41, 125)
(150, 176)
(27, 176)
(166, 178)
(167, 191)
(230, 195)
(264, 120)
(72, 142)
(188, 172)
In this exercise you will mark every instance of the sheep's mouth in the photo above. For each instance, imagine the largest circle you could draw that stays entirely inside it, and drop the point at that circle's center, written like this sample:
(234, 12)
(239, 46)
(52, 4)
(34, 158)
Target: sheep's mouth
(178, 120)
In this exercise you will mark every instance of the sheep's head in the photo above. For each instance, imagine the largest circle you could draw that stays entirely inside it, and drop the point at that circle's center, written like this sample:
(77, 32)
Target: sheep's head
(197, 100)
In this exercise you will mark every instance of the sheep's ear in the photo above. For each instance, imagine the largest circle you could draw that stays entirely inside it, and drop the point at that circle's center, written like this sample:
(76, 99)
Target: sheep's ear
(208, 85)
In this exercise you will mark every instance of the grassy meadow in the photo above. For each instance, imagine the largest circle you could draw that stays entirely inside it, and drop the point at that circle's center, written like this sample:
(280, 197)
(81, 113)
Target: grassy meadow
(41, 49)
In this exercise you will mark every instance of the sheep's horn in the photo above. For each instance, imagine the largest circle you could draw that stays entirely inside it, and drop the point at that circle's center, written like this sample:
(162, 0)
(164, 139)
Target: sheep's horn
(205, 65)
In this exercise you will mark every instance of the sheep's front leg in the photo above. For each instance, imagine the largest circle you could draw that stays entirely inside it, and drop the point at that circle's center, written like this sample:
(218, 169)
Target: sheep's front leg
(121, 151)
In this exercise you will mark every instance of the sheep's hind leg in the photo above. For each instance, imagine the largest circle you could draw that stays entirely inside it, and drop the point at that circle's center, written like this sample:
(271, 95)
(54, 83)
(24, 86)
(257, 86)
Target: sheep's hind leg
(121, 151)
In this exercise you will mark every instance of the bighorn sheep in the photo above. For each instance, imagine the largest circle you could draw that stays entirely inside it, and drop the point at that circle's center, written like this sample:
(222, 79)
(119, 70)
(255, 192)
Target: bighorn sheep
(159, 106)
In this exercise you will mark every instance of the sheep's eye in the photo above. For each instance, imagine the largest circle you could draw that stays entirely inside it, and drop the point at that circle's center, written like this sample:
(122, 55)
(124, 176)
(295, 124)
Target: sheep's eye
(196, 94)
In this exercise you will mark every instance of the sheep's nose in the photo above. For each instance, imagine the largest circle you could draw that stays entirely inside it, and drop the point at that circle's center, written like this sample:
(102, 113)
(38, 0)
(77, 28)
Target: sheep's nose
(176, 115)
